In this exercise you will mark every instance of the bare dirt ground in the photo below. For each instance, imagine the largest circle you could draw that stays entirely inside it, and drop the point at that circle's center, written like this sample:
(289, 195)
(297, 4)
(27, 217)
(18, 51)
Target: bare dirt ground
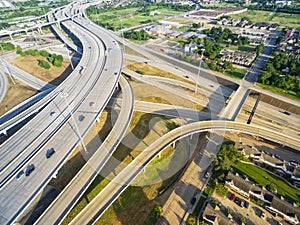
(55, 75)
(15, 94)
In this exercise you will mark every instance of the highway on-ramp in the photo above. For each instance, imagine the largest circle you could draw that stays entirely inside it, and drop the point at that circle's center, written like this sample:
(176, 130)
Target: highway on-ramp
(114, 189)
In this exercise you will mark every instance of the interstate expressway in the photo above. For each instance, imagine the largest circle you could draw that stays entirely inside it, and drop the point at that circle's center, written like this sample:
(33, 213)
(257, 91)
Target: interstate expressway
(68, 112)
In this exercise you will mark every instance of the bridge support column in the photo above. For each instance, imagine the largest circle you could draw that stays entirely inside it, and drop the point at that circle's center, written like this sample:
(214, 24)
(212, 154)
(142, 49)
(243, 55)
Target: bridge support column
(159, 155)
(98, 120)
(58, 25)
(40, 30)
(11, 38)
(174, 144)
(191, 137)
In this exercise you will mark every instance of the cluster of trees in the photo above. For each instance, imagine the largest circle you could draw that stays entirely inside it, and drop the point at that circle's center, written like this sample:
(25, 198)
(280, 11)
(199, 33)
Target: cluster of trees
(227, 155)
(55, 60)
(273, 74)
(7, 46)
(220, 35)
(295, 9)
(197, 25)
(141, 35)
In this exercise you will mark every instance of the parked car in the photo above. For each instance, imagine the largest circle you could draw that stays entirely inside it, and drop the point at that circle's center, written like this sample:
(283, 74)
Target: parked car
(246, 205)
(263, 216)
(237, 200)
(193, 200)
(293, 163)
(50, 152)
(206, 175)
(232, 197)
(29, 169)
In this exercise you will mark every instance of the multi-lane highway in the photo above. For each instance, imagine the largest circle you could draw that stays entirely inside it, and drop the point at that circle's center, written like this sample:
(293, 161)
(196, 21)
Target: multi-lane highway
(69, 112)
(55, 126)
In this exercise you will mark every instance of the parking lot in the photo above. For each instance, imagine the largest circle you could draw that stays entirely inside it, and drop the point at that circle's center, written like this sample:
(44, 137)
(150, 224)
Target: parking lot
(254, 214)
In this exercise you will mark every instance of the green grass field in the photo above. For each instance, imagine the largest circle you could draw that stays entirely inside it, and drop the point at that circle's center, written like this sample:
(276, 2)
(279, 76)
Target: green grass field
(283, 19)
(261, 177)
(236, 73)
(131, 17)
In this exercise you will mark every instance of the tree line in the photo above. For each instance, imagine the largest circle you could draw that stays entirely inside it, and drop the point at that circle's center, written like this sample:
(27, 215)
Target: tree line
(282, 72)
(55, 60)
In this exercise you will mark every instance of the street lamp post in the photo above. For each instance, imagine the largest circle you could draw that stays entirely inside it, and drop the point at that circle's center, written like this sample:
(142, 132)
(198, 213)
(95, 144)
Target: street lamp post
(122, 33)
(199, 70)
(69, 57)
(64, 95)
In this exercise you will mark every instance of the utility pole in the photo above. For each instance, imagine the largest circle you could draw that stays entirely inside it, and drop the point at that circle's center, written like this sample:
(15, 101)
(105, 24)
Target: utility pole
(64, 95)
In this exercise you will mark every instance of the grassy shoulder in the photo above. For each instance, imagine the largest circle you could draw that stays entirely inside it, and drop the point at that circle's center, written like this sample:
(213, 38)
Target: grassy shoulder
(142, 68)
(280, 91)
(236, 73)
(130, 17)
(15, 95)
(136, 204)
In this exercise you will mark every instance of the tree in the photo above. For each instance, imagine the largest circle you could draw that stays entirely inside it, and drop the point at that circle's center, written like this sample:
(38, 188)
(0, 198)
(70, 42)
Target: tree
(44, 64)
(271, 187)
(259, 49)
(57, 63)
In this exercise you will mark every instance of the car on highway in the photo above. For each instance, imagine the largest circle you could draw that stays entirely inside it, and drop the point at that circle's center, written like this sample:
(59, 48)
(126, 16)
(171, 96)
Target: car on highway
(52, 113)
(81, 117)
(50, 152)
(20, 175)
(29, 169)
(82, 70)
(246, 205)
(287, 113)
(193, 200)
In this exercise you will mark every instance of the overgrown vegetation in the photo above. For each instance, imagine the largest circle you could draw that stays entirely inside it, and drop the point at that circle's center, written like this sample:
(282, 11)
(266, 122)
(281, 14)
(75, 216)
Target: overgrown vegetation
(55, 60)
(6, 46)
(282, 72)
(141, 35)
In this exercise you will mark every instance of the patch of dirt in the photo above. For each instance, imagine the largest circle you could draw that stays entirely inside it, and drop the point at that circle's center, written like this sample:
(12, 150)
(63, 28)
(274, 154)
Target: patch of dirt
(55, 75)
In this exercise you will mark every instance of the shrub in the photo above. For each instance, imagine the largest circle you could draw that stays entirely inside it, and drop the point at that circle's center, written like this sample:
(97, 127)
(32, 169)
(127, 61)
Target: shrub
(44, 64)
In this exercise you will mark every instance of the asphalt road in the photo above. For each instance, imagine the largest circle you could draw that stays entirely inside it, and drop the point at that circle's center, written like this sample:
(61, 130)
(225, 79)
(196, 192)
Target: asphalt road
(3, 86)
(115, 188)
(76, 188)
(58, 131)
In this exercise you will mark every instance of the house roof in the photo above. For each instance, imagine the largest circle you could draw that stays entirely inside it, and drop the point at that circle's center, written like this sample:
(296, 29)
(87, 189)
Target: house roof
(239, 182)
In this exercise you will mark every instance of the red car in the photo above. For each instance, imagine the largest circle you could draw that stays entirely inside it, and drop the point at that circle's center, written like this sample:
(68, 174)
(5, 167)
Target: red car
(232, 197)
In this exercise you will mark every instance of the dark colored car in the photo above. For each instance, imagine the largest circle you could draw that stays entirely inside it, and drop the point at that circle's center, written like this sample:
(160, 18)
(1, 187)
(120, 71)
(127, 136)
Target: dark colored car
(29, 169)
(232, 197)
(20, 175)
(237, 201)
(287, 113)
(246, 205)
(50, 152)
(193, 200)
